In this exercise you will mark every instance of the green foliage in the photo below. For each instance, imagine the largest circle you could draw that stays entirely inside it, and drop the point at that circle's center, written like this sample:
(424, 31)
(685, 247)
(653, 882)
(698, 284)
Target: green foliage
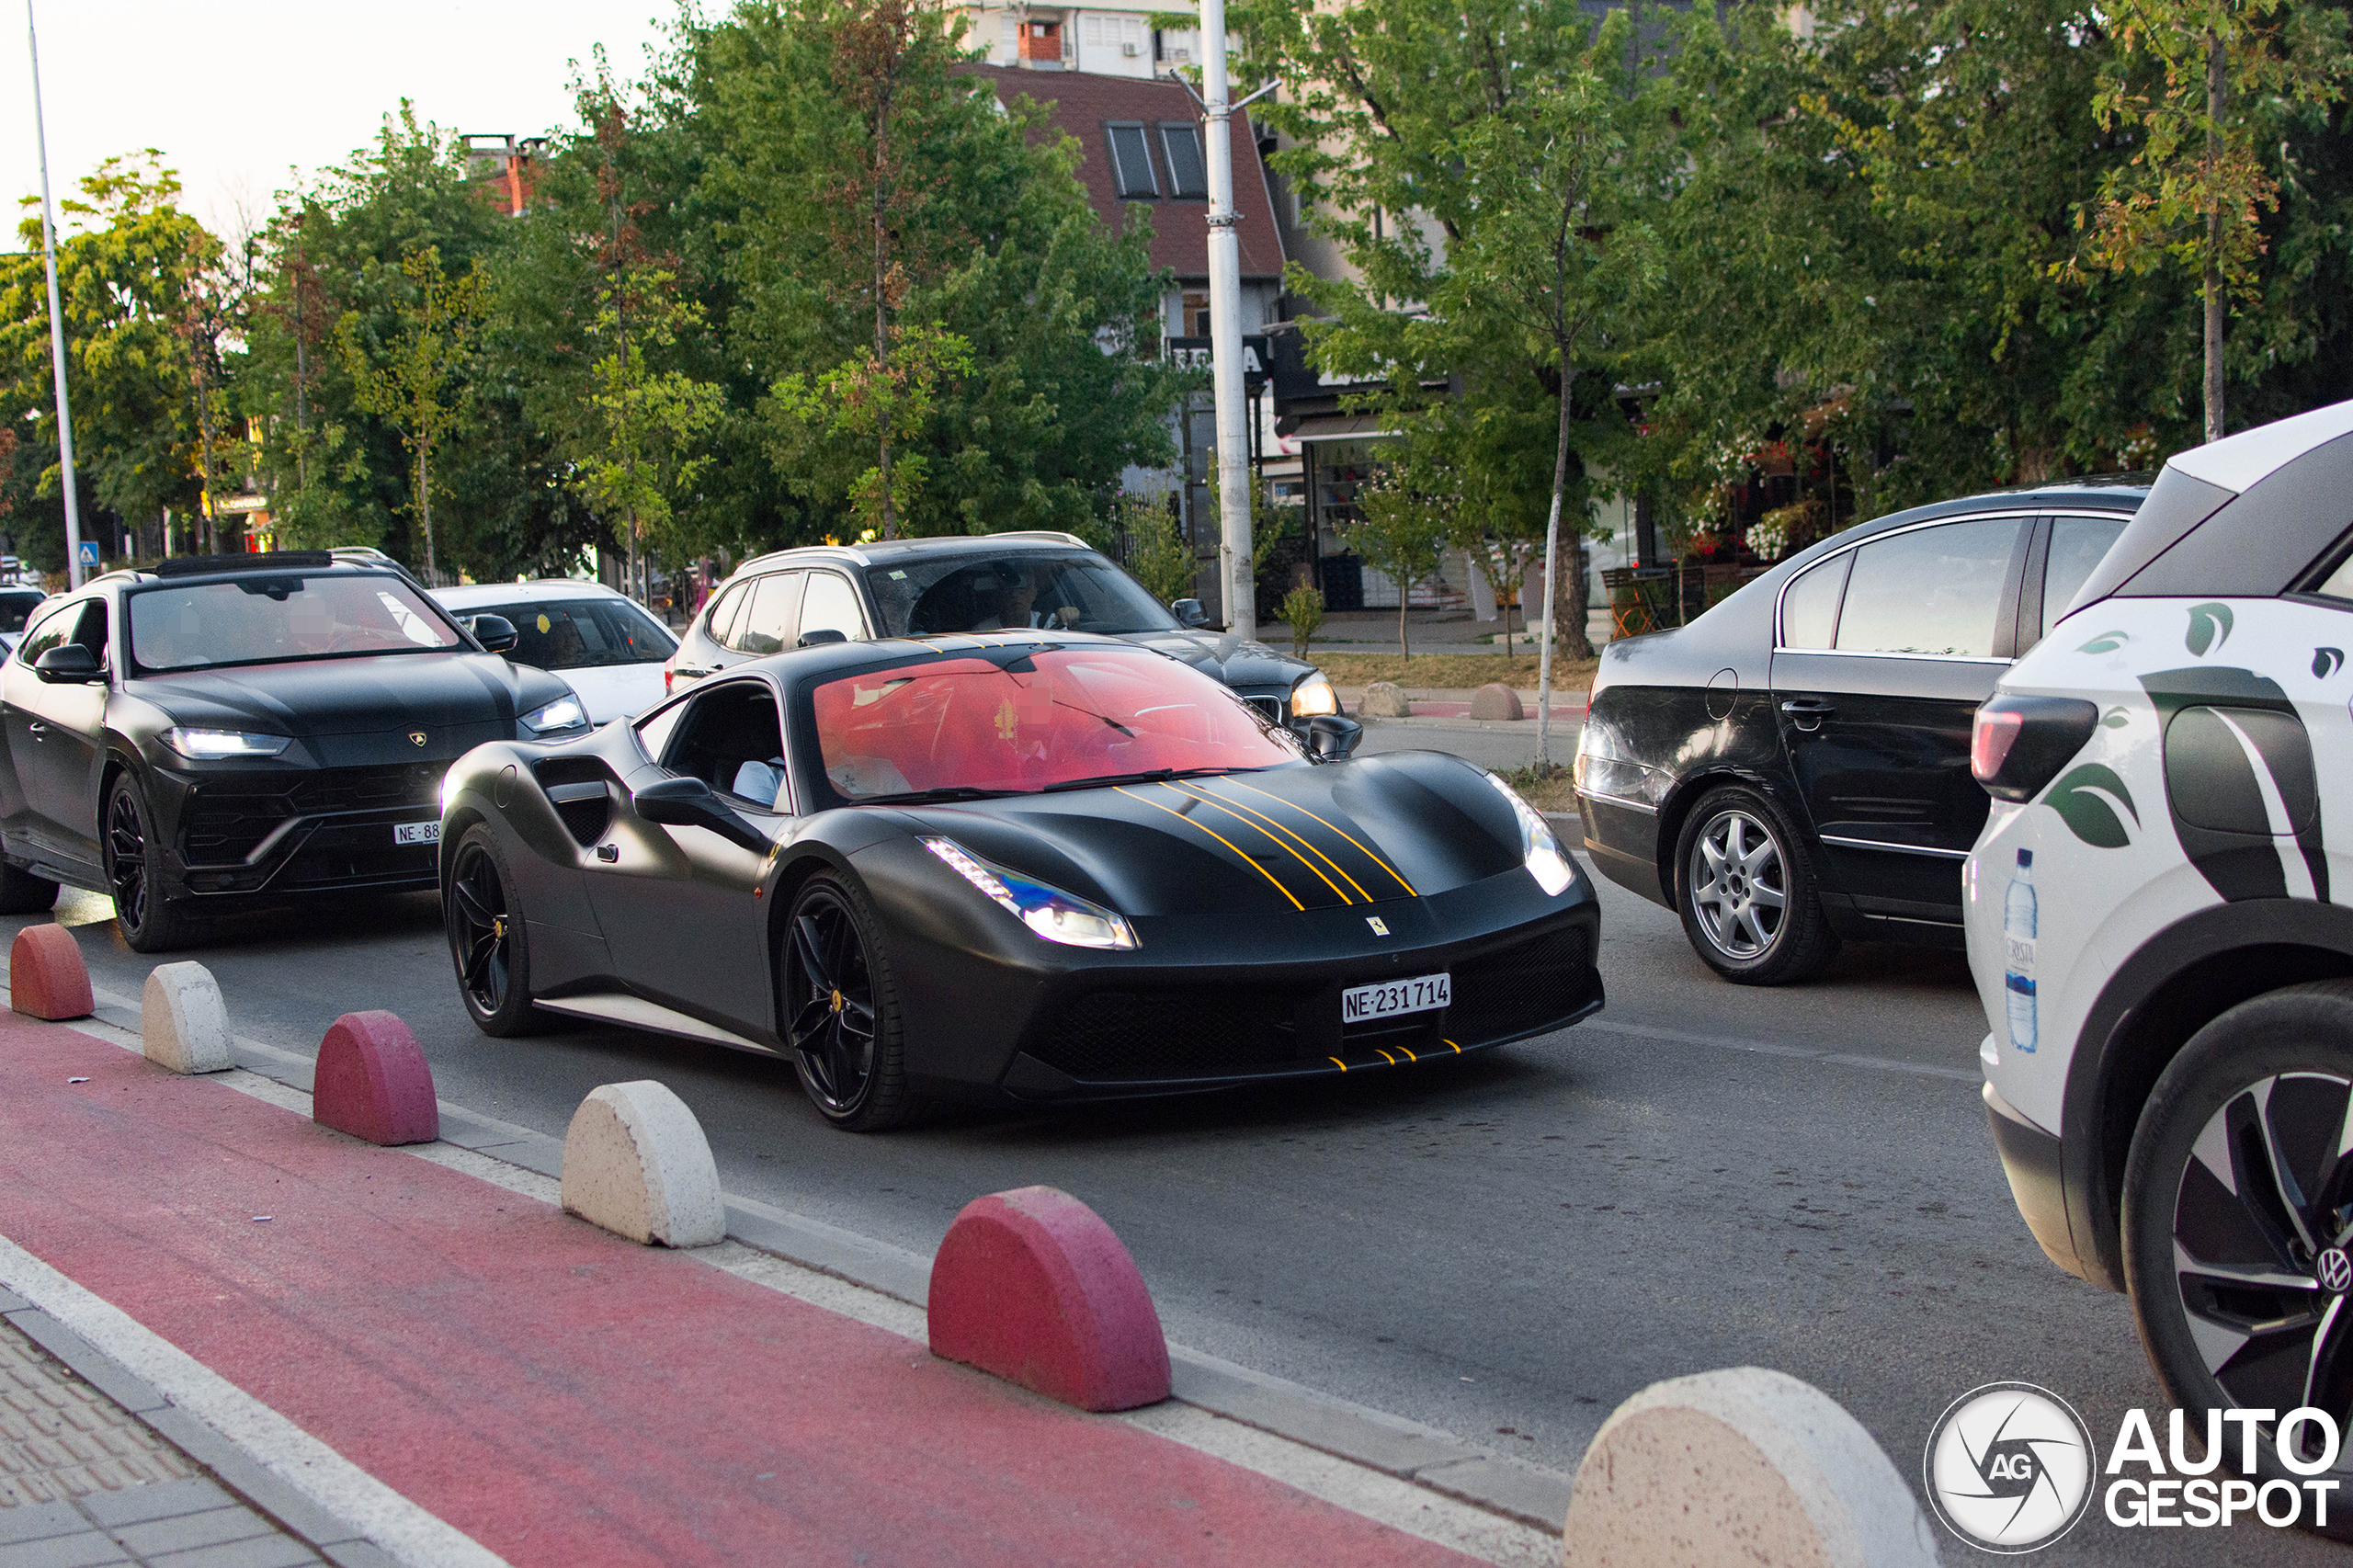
(1303, 613)
(1403, 533)
(135, 274)
(412, 382)
(880, 403)
(1158, 556)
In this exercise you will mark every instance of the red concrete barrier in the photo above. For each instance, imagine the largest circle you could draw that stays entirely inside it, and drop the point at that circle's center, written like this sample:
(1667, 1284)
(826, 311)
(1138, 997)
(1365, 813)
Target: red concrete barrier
(372, 1081)
(47, 978)
(1496, 700)
(1031, 1285)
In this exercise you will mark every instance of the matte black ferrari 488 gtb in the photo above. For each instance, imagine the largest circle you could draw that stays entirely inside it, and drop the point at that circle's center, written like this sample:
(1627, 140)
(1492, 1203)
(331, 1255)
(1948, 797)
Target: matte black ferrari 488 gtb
(1030, 866)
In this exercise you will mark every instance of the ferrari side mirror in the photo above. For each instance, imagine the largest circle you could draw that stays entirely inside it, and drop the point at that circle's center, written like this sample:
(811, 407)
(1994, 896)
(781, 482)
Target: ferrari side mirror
(1333, 739)
(1188, 612)
(494, 633)
(68, 664)
(690, 802)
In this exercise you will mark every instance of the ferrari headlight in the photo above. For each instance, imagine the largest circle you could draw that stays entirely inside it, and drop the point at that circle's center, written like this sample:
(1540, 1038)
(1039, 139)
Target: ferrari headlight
(1051, 913)
(206, 746)
(1545, 860)
(565, 713)
(1314, 695)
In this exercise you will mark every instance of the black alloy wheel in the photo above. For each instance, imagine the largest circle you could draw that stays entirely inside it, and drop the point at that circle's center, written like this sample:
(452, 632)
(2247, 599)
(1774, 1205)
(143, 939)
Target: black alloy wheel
(2238, 1215)
(486, 939)
(149, 922)
(841, 1009)
(1745, 891)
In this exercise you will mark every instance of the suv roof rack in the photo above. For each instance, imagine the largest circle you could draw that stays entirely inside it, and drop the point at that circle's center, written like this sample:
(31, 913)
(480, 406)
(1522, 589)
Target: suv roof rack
(245, 561)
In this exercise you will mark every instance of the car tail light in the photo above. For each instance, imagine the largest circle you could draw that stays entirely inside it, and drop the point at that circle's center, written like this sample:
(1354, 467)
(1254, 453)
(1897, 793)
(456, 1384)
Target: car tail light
(2020, 743)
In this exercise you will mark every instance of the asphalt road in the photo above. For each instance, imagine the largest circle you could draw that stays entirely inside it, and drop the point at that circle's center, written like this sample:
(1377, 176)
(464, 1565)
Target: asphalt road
(1505, 1247)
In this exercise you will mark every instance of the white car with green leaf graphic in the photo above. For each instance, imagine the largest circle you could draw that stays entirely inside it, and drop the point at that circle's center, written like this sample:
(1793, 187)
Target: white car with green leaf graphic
(2160, 921)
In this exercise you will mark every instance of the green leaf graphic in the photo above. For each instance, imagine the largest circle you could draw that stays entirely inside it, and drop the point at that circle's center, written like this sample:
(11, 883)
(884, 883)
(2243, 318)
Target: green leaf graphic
(2078, 800)
(2210, 627)
(2115, 718)
(2326, 662)
(2105, 643)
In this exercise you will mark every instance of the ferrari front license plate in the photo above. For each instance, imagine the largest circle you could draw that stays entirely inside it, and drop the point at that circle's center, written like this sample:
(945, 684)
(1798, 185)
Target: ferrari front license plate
(1358, 1003)
(417, 832)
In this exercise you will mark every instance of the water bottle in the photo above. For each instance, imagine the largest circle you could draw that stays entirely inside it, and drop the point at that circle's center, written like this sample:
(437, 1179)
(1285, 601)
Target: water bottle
(2018, 930)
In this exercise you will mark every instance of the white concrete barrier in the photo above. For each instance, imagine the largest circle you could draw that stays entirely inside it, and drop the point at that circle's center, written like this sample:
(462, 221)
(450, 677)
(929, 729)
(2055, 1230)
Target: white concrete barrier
(183, 1024)
(1743, 1465)
(635, 1162)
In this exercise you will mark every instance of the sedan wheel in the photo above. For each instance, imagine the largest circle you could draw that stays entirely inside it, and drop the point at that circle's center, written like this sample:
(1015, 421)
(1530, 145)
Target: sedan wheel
(1746, 894)
(486, 939)
(148, 921)
(841, 1009)
(2238, 1211)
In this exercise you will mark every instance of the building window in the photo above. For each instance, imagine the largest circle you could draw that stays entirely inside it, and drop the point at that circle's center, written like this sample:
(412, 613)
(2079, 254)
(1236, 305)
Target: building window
(1130, 164)
(1188, 178)
(1195, 312)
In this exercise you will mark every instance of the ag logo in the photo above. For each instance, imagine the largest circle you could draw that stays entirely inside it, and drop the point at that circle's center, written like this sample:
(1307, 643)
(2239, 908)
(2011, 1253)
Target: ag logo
(2009, 1468)
(2333, 1270)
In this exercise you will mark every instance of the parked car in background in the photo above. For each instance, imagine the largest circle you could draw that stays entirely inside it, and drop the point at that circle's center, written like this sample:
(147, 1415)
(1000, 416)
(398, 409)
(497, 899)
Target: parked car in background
(1792, 767)
(930, 587)
(215, 730)
(1033, 866)
(2160, 915)
(607, 648)
(15, 605)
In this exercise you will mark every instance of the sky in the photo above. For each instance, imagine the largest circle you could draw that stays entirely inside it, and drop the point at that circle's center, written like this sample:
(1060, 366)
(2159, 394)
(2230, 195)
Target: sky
(242, 96)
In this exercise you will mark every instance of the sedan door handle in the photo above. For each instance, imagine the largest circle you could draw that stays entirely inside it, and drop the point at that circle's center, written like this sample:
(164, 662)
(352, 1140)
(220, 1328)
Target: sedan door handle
(1808, 712)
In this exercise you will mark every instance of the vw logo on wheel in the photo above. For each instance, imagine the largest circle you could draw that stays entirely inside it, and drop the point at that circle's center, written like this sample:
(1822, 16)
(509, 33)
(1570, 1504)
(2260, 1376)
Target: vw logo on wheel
(2009, 1468)
(2333, 1270)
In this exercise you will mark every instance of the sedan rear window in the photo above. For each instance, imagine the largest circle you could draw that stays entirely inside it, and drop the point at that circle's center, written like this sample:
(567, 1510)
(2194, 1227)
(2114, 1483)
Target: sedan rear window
(575, 634)
(264, 618)
(1936, 591)
(1055, 718)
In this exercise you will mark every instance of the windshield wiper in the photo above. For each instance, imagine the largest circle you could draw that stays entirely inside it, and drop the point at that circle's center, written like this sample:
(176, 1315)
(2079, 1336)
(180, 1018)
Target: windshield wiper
(945, 793)
(1151, 776)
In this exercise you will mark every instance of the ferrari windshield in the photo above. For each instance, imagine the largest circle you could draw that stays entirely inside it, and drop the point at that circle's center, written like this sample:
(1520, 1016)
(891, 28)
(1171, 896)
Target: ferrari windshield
(267, 617)
(1055, 718)
(1077, 591)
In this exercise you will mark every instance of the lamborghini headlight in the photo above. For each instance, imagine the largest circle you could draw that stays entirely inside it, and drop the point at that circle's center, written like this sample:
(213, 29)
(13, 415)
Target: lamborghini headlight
(204, 746)
(1051, 913)
(1545, 860)
(558, 718)
(1314, 695)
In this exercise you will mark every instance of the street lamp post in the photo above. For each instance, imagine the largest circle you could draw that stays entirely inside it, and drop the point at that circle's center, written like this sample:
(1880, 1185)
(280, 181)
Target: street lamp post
(56, 325)
(1234, 477)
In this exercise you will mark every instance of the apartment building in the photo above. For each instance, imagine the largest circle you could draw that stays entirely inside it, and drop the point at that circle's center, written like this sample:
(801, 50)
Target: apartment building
(1102, 40)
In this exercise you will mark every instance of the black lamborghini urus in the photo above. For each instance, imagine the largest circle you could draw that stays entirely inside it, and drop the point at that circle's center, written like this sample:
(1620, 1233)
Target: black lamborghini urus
(217, 730)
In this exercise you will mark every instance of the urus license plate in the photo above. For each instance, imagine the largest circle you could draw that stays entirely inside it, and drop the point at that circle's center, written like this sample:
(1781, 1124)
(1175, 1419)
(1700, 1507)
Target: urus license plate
(417, 832)
(1359, 1003)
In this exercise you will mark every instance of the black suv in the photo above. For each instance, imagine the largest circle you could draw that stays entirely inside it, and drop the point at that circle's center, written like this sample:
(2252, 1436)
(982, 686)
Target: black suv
(220, 727)
(930, 587)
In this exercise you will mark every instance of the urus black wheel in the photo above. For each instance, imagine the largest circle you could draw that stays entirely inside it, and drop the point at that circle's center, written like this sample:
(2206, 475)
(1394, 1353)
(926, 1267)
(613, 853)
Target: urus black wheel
(1745, 890)
(486, 938)
(2238, 1212)
(841, 1009)
(149, 923)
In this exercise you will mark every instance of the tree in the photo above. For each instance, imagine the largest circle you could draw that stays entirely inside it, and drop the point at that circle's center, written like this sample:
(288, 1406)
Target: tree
(2197, 189)
(1156, 551)
(880, 399)
(637, 447)
(1403, 533)
(131, 267)
(417, 388)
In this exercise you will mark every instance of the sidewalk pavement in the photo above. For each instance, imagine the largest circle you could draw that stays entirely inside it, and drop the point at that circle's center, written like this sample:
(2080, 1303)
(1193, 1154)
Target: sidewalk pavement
(558, 1396)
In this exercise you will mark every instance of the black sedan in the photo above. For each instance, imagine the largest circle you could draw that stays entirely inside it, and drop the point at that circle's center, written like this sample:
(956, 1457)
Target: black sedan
(221, 729)
(1030, 866)
(1792, 767)
(926, 587)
